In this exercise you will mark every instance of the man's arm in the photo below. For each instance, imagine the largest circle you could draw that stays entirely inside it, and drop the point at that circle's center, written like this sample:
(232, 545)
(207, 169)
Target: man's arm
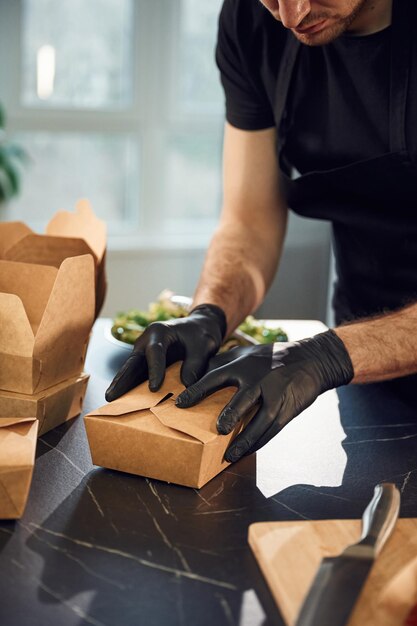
(383, 347)
(239, 268)
(243, 255)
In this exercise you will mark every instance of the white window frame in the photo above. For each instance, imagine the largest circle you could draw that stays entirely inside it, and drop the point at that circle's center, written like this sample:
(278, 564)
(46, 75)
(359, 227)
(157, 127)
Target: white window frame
(149, 120)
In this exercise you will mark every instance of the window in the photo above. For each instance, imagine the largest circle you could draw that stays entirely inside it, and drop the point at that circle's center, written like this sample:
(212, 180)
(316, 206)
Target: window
(126, 110)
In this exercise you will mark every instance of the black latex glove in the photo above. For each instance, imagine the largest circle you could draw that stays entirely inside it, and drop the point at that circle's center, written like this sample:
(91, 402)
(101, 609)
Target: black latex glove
(284, 378)
(193, 339)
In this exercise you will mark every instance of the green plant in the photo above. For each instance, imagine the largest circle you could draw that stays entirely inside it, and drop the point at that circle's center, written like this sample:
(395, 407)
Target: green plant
(12, 160)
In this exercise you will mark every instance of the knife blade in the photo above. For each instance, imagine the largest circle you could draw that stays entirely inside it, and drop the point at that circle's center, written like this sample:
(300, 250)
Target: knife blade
(339, 580)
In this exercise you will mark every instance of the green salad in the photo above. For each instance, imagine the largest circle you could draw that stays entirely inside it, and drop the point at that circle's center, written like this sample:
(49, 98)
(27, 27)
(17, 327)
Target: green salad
(128, 326)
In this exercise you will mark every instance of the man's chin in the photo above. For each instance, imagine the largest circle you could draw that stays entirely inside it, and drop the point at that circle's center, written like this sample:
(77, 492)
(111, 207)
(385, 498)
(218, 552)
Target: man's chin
(322, 37)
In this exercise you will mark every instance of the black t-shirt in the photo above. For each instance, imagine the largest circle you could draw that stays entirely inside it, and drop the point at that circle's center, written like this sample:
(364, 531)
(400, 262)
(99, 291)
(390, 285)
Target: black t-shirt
(337, 133)
(339, 96)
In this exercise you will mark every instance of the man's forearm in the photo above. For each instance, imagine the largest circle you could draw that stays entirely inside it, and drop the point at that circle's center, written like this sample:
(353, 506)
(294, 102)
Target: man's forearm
(245, 250)
(383, 347)
(238, 270)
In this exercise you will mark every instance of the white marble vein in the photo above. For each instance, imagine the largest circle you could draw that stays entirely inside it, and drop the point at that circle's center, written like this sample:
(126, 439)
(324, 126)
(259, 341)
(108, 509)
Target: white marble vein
(58, 451)
(403, 425)
(165, 508)
(202, 497)
(227, 610)
(90, 491)
(406, 479)
(289, 508)
(70, 605)
(217, 492)
(165, 539)
(221, 511)
(379, 439)
(71, 557)
(140, 561)
(94, 499)
(327, 495)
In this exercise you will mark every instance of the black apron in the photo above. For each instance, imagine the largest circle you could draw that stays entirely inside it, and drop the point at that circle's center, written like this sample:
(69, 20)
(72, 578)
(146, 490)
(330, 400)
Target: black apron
(372, 203)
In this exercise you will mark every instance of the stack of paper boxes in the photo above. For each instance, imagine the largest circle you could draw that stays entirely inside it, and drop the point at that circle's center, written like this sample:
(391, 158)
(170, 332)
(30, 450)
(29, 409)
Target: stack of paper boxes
(51, 289)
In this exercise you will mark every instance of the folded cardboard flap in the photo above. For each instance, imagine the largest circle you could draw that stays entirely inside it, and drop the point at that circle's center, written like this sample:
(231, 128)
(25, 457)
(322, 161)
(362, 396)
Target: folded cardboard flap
(81, 223)
(14, 443)
(79, 232)
(46, 250)
(132, 403)
(70, 308)
(36, 331)
(10, 233)
(198, 421)
(17, 456)
(5, 422)
(14, 323)
(31, 283)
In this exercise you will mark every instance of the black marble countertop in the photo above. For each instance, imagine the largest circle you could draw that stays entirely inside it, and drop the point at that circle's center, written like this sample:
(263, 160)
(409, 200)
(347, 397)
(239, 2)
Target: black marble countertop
(105, 548)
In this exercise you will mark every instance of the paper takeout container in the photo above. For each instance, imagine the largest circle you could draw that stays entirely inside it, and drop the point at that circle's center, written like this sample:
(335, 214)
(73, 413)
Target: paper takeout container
(17, 457)
(46, 316)
(68, 234)
(144, 433)
(51, 407)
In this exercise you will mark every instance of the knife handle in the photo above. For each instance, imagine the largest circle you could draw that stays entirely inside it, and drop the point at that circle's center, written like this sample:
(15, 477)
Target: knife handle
(379, 519)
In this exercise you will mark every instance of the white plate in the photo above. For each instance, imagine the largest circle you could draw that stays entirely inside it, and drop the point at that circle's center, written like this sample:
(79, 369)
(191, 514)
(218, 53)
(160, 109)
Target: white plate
(113, 340)
(183, 301)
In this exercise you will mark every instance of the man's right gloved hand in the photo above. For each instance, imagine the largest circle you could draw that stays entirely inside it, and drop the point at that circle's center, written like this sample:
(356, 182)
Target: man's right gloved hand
(193, 339)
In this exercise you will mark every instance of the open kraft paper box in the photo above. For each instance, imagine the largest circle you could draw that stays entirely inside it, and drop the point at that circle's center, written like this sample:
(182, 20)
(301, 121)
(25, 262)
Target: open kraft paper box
(67, 234)
(46, 316)
(17, 458)
(144, 433)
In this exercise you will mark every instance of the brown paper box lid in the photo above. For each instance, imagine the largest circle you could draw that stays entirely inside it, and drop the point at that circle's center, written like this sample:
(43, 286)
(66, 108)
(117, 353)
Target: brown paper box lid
(14, 491)
(46, 250)
(198, 422)
(10, 233)
(141, 398)
(131, 402)
(84, 224)
(17, 443)
(5, 422)
(16, 334)
(70, 306)
(32, 284)
(17, 456)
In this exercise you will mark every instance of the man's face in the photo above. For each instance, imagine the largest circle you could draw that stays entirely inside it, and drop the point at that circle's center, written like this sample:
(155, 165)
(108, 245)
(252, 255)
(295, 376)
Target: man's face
(316, 22)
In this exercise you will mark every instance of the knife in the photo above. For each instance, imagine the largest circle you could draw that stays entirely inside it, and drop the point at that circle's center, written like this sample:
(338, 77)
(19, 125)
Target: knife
(339, 580)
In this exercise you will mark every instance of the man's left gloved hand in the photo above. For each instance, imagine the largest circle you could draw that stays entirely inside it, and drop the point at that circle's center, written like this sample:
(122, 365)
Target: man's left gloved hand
(284, 378)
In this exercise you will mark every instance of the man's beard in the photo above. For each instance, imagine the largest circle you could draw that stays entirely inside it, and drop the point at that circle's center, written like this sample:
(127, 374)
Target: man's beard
(333, 31)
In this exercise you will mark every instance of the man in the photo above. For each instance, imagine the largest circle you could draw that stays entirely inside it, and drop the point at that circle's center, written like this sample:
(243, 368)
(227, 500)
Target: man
(321, 99)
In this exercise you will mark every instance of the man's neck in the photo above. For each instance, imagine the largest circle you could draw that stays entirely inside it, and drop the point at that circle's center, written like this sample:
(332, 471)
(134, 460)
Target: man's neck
(374, 16)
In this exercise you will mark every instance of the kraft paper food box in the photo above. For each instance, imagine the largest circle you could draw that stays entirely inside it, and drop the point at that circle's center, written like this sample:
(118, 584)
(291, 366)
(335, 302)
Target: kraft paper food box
(17, 458)
(68, 234)
(144, 433)
(46, 316)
